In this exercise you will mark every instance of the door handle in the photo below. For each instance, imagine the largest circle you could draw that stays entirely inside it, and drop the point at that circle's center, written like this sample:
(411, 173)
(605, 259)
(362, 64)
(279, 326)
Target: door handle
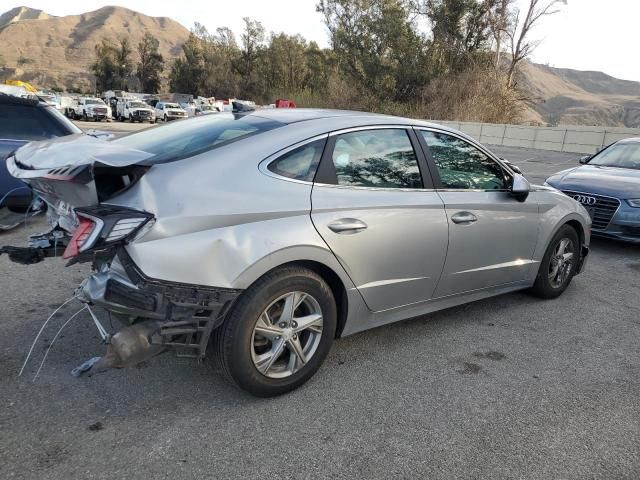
(464, 217)
(347, 225)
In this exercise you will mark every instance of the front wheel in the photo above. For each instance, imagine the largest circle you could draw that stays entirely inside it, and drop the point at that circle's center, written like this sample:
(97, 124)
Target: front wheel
(559, 264)
(278, 333)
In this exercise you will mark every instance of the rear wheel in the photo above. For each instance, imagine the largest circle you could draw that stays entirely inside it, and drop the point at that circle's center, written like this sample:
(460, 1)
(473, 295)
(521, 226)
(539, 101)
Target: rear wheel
(559, 264)
(278, 333)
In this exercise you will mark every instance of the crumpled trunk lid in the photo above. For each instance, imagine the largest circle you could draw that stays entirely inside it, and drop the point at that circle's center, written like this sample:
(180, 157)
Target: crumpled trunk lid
(76, 171)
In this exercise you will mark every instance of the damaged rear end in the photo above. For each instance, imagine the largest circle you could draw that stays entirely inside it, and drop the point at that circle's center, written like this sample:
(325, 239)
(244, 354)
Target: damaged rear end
(77, 176)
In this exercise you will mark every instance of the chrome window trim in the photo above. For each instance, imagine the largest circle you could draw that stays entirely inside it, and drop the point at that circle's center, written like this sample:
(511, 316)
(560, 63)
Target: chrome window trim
(501, 190)
(368, 127)
(263, 166)
(377, 189)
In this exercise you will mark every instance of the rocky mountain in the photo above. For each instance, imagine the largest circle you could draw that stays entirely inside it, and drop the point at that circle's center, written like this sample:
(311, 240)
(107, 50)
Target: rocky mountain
(575, 97)
(57, 51)
(22, 13)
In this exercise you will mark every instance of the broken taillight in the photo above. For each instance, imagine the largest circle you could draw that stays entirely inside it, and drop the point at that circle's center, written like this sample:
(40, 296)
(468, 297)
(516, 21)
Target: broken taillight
(103, 226)
(85, 235)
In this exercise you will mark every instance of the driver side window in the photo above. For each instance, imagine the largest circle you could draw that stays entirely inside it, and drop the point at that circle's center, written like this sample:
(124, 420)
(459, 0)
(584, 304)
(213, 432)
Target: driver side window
(461, 165)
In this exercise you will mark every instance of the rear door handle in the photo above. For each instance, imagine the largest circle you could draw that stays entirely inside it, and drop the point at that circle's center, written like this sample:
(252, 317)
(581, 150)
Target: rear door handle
(347, 225)
(464, 217)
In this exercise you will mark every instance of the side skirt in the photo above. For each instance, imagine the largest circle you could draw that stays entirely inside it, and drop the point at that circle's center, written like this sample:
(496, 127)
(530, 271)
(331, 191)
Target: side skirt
(361, 318)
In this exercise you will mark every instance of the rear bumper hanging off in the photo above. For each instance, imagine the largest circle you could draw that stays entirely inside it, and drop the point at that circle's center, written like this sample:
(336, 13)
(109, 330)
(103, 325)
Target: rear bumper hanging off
(187, 314)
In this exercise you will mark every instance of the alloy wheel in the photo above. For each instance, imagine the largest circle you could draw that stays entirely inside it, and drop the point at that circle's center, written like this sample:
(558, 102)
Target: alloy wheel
(561, 263)
(286, 335)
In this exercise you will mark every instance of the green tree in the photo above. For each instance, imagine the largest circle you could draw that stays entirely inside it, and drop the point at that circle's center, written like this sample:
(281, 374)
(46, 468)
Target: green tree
(187, 72)
(377, 45)
(250, 61)
(104, 66)
(124, 64)
(321, 65)
(151, 64)
(286, 60)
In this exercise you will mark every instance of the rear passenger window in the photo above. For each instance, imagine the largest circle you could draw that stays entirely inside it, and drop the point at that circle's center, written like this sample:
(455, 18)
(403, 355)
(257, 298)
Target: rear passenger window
(300, 163)
(376, 158)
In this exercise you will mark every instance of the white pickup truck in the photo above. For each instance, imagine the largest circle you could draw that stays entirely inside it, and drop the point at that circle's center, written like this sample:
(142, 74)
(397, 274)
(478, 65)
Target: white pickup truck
(89, 108)
(134, 111)
(169, 111)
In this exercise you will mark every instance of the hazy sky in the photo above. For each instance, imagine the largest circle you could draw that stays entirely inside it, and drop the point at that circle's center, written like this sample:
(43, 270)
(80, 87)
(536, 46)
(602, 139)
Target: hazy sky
(586, 35)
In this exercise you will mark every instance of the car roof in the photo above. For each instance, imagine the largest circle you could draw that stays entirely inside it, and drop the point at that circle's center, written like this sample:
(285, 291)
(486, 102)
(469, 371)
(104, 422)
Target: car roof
(297, 115)
(630, 140)
(327, 119)
(13, 100)
(294, 115)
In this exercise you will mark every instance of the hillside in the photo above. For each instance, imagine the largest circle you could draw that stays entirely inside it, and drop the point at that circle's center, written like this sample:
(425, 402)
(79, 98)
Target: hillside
(22, 13)
(574, 97)
(58, 50)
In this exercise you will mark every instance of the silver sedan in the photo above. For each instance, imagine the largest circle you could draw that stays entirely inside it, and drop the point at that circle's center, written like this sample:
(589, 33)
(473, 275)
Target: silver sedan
(266, 235)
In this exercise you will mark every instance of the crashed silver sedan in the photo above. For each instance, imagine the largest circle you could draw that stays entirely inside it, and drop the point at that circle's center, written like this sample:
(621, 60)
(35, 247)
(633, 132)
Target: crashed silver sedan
(261, 237)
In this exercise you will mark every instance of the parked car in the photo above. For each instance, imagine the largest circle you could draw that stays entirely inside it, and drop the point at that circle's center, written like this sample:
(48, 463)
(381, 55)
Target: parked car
(279, 230)
(206, 110)
(134, 111)
(169, 111)
(21, 121)
(608, 185)
(89, 108)
(190, 107)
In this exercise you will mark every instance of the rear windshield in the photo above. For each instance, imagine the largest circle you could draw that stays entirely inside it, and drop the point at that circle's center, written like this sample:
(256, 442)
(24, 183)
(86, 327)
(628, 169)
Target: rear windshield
(187, 138)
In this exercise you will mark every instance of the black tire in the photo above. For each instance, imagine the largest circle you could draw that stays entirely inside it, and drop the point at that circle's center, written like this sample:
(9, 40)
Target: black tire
(232, 341)
(543, 286)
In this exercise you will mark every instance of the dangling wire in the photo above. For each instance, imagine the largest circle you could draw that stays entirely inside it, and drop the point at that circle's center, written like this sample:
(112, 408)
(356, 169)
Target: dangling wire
(10, 192)
(40, 332)
(55, 338)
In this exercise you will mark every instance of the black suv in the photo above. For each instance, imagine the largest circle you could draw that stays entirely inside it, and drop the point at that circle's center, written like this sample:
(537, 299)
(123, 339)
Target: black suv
(23, 120)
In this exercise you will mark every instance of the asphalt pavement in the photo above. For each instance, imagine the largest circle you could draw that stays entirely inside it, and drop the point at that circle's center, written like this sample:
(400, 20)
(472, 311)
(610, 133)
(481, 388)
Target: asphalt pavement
(509, 387)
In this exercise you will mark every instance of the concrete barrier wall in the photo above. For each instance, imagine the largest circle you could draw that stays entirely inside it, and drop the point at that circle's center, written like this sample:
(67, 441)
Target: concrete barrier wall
(568, 138)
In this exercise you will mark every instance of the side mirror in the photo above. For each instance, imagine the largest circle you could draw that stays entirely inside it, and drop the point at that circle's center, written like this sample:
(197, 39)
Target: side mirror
(520, 187)
(584, 160)
(513, 167)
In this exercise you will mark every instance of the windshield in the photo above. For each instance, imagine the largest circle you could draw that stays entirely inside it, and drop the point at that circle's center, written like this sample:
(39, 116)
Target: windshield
(179, 140)
(138, 105)
(621, 155)
(171, 105)
(91, 101)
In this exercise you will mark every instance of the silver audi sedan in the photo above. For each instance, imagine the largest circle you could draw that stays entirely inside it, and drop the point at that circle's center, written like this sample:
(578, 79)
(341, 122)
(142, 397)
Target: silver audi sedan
(266, 235)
